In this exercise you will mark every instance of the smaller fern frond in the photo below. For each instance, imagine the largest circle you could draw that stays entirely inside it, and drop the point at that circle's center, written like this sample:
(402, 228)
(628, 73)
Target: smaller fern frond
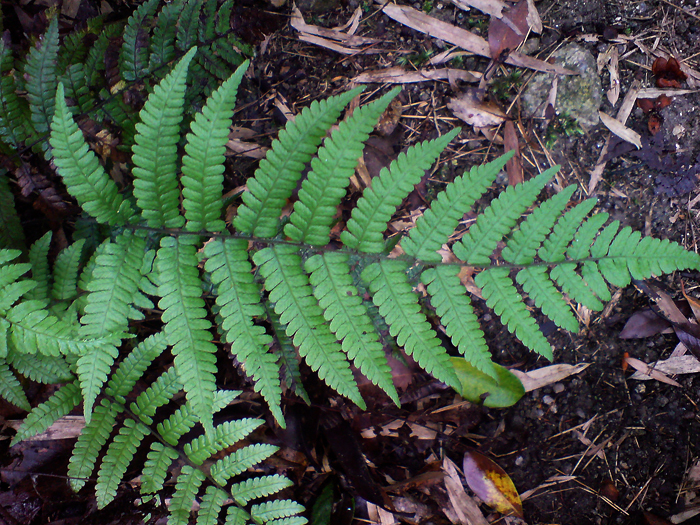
(241, 460)
(186, 324)
(188, 25)
(76, 88)
(10, 388)
(133, 56)
(82, 173)
(65, 272)
(439, 222)
(41, 275)
(540, 288)
(260, 487)
(287, 357)
(498, 219)
(155, 469)
(40, 71)
(186, 488)
(398, 305)
(15, 124)
(277, 175)
(298, 309)
(275, 510)
(11, 288)
(503, 298)
(224, 435)
(554, 246)
(330, 174)
(92, 369)
(162, 45)
(378, 203)
(47, 413)
(155, 149)
(203, 164)
(40, 368)
(343, 309)
(448, 297)
(157, 395)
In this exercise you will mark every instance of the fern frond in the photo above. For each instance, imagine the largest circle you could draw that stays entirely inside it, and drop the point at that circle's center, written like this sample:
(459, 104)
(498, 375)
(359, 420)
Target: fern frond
(343, 309)
(40, 72)
(162, 48)
(12, 289)
(503, 298)
(188, 25)
(224, 435)
(92, 369)
(11, 389)
(65, 272)
(155, 469)
(365, 229)
(113, 286)
(434, 228)
(39, 259)
(47, 413)
(186, 326)
(540, 288)
(76, 88)
(133, 56)
(157, 395)
(564, 274)
(203, 165)
(155, 151)
(398, 305)
(277, 175)
(554, 246)
(241, 460)
(119, 454)
(303, 319)
(186, 488)
(287, 357)
(498, 219)
(39, 368)
(448, 297)
(210, 506)
(91, 440)
(82, 173)
(330, 174)
(255, 488)
(15, 124)
(238, 298)
(273, 510)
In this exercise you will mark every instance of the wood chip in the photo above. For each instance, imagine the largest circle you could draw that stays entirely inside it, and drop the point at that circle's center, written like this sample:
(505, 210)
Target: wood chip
(398, 75)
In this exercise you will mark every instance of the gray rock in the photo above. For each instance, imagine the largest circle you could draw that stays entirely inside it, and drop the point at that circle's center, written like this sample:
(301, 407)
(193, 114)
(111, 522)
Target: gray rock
(578, 96)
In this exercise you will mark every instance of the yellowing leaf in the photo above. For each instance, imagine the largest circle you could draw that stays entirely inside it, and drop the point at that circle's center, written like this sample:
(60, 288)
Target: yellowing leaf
(491, 483)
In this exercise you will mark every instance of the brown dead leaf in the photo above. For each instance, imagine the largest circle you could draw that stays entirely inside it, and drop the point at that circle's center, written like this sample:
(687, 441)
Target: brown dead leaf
(508, 32)
(514, 167)
(619, 129)
(397, 75)
(491, 483)
(466, 511)
(472, 110)
(547, 375)
(649, 371)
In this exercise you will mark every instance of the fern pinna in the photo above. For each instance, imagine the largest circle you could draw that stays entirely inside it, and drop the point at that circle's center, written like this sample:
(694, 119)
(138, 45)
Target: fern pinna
(278, 285)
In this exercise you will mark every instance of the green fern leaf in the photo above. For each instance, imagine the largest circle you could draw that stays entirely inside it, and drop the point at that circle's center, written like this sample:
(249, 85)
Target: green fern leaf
(287, 357)
(133, 56)
(498, 219)
(155, 469)
(41, 275)
(10, 388)
(580, 248)
(11, 234)
(238, 297)
(259, 487)
(39, 368)
(162, 44)
(157, 395)
(91, 440)
(554, 247)
(92, 369)
(536, 283)
(76, 88)
(119, 454)
(155, 151)
(10, 288)
(273, 510)
(398, 305)
(503, 298)
(448, 297)
(210, 506)
(47, 413)
(85, 178)
(186, 488)
(134, 365)
(15, 124)
(343, 309)
(330, 174)
(40, 72)
(236, 516)
(522, 247)
(365, 229)
(240, 461)
(224, 435)
(186, 326)
(564, 274)
(188, 25)
(203, 165)
(277, 176)
(65, 272)
(438, 223)
(292, 296)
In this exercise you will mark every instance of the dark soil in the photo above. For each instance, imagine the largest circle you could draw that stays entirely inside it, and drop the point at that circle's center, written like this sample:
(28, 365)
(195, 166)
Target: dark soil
(568, 441)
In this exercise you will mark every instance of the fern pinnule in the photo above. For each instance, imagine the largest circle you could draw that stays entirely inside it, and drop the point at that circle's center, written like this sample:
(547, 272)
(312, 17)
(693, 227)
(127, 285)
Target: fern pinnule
(186, 488)
(47, 413)
(162, 44)
(157, 395)
(287, 356)
(343, 309)
(251, 489)
(330, 174)
(277, 175)
(241, 460)
(536, 283)
(40, 71)
(398, 305)
(503, 298)
(11, 233)
(133, 56)
(238, 299)
(82, 173)
(10, 387)
(498, 219)
(294, 302)
(187, 328)
(65, 272)
(448, 297)
(40, 368)
(11, 288)
(275, 510)
(134, 365)
(211, 504)
(15, 126)
(93, 369)
(155, 151)
(188, 25)
(224, 435)
(439, 222)
(378, 203)
(554, 246)
(41, 274)
(203, 164)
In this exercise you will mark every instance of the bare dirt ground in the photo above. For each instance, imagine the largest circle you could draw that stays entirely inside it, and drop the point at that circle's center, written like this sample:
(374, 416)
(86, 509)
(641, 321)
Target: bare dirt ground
(597, 447)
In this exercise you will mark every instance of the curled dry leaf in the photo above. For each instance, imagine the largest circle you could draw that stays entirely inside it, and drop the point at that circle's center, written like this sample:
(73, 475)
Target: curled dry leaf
(472, 110)
(547, 375)
(491, 483)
